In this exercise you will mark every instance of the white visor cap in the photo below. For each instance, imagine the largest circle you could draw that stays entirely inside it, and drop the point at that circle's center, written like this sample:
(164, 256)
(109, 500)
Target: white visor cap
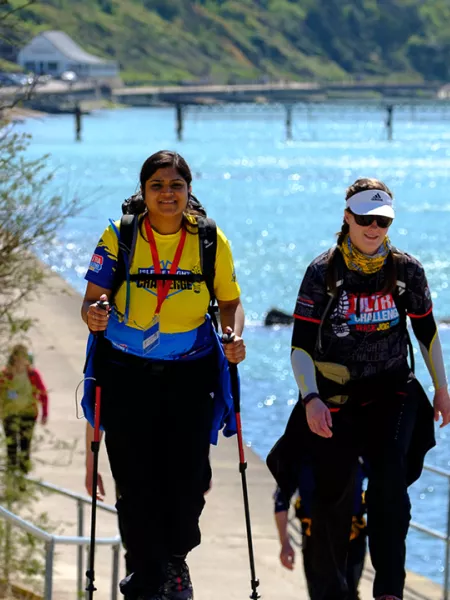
(371, 202)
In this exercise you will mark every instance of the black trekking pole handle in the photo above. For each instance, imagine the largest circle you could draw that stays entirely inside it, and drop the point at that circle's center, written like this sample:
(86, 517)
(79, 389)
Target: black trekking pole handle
(227, 338)
(235, 390)
(95, 447)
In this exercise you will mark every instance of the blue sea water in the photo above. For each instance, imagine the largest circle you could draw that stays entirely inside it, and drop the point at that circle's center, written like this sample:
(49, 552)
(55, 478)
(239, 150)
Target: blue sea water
(280, 204)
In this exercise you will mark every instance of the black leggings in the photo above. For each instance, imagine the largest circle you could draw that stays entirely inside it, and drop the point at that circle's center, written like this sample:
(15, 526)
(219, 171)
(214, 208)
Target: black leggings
(19, 433)
(381, 432)
(157, 418)
(357, 549)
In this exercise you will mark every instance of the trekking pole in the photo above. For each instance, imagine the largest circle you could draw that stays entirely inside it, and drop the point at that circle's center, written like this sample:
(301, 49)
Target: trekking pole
(95, 447)
(235, 390)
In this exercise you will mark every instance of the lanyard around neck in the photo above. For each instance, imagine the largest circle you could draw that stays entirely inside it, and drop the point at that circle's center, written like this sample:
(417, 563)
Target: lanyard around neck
(163, 287)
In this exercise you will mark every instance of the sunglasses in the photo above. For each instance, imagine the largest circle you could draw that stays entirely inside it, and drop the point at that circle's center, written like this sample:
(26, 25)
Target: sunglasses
(367, 220)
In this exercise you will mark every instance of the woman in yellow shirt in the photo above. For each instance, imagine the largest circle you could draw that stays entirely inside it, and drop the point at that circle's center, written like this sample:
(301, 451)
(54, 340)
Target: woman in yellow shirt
(160, 376)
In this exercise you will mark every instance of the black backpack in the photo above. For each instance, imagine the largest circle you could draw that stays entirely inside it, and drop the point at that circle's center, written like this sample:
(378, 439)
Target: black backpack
(132, 208)
(335, 280)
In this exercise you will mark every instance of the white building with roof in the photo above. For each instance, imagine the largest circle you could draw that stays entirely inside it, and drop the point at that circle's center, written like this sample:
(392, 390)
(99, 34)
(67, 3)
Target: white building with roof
(53, 52)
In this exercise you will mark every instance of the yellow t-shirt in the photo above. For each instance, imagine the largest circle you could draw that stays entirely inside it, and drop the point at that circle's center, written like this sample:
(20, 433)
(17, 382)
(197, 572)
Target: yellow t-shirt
(186, 304)
(17, 397)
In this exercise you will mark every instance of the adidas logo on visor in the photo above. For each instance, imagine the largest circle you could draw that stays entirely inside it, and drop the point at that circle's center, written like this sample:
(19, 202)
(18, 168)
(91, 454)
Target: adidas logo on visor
(377, 198)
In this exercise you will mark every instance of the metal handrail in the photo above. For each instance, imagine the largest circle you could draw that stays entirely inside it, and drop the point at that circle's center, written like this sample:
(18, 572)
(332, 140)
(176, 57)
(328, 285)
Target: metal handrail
(69, 494)
(437, 534)
(79, 540)
(419, 527)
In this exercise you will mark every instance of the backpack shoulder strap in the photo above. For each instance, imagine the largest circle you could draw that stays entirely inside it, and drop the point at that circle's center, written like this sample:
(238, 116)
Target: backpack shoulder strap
(127, 244)
(335, 271)
(207, 239)
(401, 284)
(399, 295)
(334, 280)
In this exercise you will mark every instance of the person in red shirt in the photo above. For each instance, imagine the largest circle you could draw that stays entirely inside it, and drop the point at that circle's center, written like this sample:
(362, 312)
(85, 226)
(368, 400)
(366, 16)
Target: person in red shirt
(22, 391)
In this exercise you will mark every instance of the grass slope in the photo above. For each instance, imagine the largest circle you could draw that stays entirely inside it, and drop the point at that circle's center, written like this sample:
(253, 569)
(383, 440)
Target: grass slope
(232, 40)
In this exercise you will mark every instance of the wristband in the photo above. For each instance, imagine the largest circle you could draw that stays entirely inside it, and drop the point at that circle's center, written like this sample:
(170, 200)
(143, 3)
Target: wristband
(310, 397)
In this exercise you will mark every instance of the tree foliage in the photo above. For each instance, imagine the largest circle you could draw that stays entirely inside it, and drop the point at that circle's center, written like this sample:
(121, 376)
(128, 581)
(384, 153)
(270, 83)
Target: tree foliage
(29, 220)
(30, 217)
(171, 40)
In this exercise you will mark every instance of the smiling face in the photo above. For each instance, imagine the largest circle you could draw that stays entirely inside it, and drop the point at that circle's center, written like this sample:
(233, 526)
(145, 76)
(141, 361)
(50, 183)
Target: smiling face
(366, 239)
(166, 195)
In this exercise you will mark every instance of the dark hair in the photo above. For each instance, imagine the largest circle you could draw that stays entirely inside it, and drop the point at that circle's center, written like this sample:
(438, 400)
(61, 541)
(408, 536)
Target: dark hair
(161, 160)
(361, 185)
(16, 351)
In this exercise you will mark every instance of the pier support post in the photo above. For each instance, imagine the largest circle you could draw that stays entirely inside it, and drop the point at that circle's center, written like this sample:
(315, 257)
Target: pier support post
(77, 113)
(389, 121)
(179, 119)
(288, 108)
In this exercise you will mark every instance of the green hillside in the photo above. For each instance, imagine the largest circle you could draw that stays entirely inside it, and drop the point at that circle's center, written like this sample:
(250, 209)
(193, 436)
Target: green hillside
(232, 40)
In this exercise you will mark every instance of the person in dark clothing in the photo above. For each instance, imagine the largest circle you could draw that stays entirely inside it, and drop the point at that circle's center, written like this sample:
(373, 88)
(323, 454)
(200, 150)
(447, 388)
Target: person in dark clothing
(358, 394)
(163, 375)
(89, 438)
(303, 503)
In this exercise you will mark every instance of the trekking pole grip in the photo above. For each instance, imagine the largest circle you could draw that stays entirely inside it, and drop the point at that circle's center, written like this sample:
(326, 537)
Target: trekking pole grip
(227, 338)
(103, 304)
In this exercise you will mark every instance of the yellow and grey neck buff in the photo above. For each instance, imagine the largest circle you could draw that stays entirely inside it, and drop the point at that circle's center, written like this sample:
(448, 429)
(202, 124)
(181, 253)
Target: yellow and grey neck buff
(364, 263)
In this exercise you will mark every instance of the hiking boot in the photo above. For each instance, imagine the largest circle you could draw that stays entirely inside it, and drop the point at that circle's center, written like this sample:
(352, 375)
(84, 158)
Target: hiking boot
(133, 589)
(178, 584)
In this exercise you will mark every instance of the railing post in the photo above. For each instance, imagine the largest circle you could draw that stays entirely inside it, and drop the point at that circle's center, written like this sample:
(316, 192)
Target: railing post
(80, 561)
(49, 556)
(115, 571)
(447, 550)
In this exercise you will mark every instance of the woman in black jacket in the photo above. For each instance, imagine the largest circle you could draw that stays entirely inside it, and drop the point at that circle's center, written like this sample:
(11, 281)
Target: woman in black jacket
(349, 356)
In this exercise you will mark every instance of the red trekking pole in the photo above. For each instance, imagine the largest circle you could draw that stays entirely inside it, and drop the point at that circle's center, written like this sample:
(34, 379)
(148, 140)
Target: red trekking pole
(95, 447)
(236, 392)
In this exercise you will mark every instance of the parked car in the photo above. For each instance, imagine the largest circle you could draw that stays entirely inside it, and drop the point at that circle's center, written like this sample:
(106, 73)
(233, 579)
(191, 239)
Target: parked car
(69, 76)
(6, 80)
(44, 78)
(16, 79)
(22, 78)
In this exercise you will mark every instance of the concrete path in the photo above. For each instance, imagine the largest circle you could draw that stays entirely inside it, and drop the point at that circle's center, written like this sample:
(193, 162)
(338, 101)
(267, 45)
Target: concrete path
(219, 566)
